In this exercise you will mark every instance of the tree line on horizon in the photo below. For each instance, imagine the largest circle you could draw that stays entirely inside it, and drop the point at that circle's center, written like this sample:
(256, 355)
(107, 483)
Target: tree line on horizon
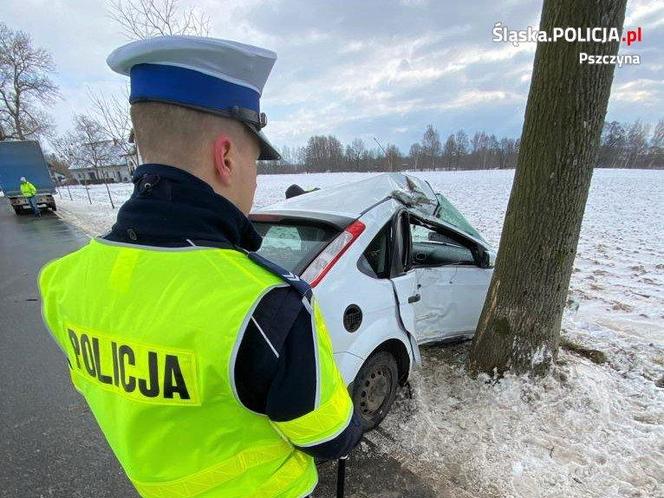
(622, 145)
(459, 151)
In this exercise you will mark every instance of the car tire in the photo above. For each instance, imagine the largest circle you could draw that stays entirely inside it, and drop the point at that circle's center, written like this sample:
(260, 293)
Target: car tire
(375, 388)
(18, 210)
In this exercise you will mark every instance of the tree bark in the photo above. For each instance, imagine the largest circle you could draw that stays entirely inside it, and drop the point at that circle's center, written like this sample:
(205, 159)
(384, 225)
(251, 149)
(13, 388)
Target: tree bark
(519, 328)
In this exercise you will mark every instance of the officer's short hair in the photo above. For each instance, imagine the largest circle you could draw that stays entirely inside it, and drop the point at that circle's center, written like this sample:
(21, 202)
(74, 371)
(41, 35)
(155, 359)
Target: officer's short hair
(161, 126)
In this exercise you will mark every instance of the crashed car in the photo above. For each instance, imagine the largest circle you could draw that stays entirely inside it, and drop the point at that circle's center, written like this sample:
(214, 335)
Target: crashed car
(393, 265)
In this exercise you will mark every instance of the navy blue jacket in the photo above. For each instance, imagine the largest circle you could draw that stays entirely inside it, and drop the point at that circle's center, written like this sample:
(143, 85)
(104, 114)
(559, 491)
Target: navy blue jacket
(172, 208)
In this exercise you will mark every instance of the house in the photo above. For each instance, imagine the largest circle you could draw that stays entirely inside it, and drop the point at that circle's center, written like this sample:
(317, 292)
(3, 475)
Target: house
(112, 163)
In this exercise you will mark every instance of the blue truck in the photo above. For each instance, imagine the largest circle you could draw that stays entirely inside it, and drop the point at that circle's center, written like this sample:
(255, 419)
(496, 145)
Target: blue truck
(25, 158)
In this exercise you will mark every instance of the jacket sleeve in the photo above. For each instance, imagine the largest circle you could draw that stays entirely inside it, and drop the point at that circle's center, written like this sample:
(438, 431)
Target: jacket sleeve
(285, 369)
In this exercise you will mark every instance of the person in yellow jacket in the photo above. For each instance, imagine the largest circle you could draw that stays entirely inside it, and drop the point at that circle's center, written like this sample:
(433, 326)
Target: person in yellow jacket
(208, 368)
(29, 191)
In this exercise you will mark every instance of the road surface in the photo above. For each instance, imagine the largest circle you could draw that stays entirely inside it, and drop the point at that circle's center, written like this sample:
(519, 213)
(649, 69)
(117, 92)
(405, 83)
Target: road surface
(49, 442)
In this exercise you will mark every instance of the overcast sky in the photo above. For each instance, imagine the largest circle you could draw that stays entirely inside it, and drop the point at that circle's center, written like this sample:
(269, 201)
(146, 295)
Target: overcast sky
(358, 68)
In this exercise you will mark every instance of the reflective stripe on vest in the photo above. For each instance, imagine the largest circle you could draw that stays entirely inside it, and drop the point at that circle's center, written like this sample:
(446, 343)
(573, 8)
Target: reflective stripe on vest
(331, 418)
(334, 409)
(227, 470)
(150, 335)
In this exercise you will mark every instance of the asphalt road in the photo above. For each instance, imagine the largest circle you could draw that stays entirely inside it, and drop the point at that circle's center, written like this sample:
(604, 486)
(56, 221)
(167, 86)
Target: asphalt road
(49, 442)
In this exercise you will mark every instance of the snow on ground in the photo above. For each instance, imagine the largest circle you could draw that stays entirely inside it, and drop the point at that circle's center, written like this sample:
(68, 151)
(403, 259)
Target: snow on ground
(584, 430)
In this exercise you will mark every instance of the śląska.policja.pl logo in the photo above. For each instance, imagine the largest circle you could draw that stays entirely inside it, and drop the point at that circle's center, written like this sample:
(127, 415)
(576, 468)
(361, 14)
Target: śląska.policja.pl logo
(503, 34)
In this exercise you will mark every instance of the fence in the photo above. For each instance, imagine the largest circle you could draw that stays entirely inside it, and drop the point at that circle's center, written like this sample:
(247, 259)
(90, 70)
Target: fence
(111, 194)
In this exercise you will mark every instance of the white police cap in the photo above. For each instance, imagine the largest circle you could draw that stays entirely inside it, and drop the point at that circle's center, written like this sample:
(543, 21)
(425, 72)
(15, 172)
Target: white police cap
(212, 75)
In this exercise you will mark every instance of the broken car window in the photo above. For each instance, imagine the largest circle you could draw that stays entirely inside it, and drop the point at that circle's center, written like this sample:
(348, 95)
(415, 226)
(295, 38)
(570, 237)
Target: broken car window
(376, 255)
(449, 214)
(432, 248)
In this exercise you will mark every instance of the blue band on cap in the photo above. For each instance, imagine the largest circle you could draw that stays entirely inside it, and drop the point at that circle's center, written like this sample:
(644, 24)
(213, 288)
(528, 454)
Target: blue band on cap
(179, 85)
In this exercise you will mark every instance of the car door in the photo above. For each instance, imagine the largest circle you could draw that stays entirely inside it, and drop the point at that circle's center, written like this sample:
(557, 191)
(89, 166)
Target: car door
(404, 281)
(471, 284)
(435, 311)
(448, 281)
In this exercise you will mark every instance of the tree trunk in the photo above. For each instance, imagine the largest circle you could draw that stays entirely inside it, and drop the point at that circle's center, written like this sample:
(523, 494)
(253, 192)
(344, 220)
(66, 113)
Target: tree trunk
(519, 329)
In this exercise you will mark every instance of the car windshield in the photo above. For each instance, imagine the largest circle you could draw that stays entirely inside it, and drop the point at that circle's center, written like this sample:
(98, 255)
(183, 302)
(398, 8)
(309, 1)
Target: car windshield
(449, 214)
(293, 245)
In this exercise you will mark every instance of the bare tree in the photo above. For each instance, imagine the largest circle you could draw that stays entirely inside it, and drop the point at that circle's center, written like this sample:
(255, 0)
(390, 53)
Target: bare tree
(462, 144)
(478, 149)
(87, 146)
(141, 19)
(393, 157)
(25, 86)
(657, 145)
(415, 155)
(613, 145)
(431, 145)
(450, 150)
(637, 142)
(112, 115)
(519, 328)
(354, 153)
(286, 155)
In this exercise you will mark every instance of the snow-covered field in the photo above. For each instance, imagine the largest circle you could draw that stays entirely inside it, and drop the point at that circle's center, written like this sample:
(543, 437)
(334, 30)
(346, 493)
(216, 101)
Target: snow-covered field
(585, 429)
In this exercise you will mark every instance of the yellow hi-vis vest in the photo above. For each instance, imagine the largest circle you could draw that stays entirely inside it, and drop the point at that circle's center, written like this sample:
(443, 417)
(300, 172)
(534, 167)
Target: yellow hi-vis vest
(151, 336)
(28, 189)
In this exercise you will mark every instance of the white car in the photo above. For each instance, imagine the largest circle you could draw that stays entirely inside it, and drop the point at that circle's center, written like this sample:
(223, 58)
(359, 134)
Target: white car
(393, 265)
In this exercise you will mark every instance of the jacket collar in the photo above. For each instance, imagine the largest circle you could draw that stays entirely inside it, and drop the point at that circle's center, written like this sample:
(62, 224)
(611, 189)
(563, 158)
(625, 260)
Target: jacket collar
(170, 207)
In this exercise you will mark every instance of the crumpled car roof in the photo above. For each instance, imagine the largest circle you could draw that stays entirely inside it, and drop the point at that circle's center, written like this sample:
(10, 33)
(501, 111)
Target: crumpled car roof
(354, 198)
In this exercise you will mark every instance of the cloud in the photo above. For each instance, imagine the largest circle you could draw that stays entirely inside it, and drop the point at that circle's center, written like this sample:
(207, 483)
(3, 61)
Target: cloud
(644, 12)
(472, 98)
(642, 91)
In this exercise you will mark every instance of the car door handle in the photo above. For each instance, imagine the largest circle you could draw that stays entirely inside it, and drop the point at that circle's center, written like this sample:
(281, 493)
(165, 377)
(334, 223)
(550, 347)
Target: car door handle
(414, 298)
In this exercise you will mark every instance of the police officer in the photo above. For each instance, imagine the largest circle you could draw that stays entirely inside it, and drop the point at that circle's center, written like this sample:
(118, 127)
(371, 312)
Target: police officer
(208, 369)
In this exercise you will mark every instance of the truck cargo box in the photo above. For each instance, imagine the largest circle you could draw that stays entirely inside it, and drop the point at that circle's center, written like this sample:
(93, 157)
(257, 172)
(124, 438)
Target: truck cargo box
(25, 158)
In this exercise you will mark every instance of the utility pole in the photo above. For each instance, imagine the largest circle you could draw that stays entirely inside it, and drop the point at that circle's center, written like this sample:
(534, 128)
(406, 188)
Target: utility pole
(389, 159)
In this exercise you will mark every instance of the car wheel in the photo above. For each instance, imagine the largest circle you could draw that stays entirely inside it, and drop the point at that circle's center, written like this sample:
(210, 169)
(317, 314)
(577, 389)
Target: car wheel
(18, 210)
(374, 388)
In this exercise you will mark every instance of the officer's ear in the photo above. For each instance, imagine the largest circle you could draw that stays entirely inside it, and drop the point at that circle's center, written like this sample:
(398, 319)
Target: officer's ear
(223, 162)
